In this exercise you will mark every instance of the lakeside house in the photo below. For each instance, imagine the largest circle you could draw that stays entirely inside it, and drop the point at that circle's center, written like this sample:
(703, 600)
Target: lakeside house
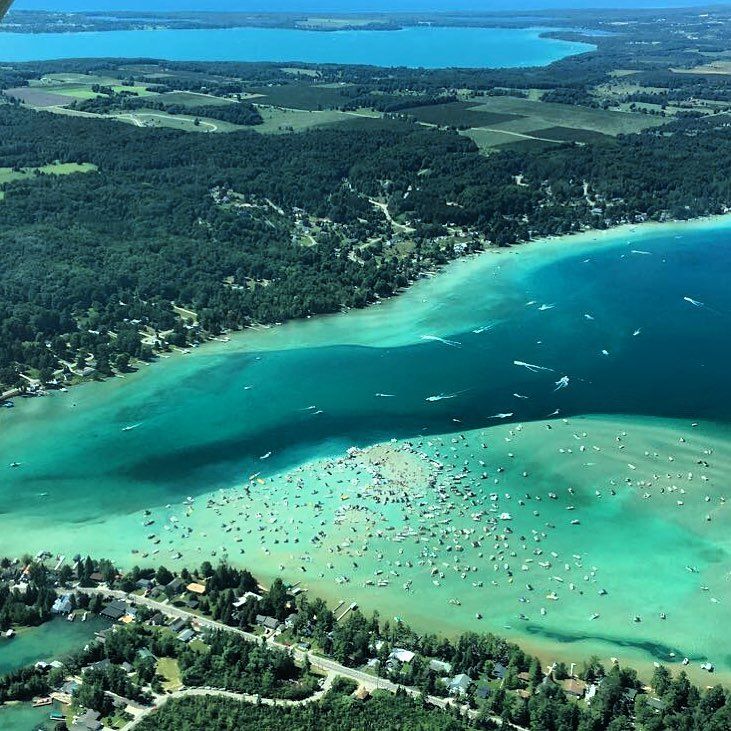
(175, 585)
(245, 598)
(115, 610)
(401, 655)
(440, 666)
(88, 721)
(62, 605)
(459, 684)
(268, 623)
(573, 687)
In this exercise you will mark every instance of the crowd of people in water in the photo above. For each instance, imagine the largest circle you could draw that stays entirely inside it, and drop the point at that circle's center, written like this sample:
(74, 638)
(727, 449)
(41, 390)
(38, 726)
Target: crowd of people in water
(458, 521)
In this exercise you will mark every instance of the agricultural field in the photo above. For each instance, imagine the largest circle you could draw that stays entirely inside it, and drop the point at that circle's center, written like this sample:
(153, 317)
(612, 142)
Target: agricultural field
(537, 115)
(714, 67)
(301, 96)
(458, 114)
(192, 99)
(36, 97)
(280, 121)
(62, 89)
(571, 134)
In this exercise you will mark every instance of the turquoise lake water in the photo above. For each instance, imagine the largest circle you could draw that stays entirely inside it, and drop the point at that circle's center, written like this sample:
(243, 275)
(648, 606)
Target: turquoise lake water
(414, 47)
(23, 717)
(631, 324)
(49, 641)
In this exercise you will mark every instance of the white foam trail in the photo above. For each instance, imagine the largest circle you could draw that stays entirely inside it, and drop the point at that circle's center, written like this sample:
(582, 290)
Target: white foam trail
(640, 251)
(436, 338)
(637, 332)
(554, 413)
(441, 396)
(500, 416)
(588, 317)
(695, 303)
(485, 328)
(519, 395)
(545, 307)
(266, 456)
(531, 366)
(386, 395)
(562, 382)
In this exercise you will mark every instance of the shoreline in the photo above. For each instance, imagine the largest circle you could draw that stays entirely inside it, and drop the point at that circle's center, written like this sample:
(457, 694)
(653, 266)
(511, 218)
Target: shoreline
(245, 339)
(272, 502)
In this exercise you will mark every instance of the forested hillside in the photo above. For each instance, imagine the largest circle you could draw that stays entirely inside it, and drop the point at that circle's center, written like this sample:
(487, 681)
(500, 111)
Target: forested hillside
(241, 228)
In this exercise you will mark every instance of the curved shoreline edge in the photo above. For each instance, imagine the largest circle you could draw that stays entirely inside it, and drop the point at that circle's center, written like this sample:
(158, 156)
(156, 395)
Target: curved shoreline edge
(267, 338)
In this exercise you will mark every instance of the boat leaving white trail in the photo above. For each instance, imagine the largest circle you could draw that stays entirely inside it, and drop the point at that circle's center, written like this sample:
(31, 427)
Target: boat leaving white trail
(531, 366)
(436, 338)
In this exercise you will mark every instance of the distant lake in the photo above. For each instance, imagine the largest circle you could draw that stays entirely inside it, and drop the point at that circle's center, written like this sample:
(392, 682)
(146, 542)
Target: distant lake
(413, 47)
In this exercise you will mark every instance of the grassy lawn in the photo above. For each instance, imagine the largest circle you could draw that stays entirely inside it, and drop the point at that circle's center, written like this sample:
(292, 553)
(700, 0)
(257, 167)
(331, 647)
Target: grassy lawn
(198, 646)
(277, 121)
(169, 669)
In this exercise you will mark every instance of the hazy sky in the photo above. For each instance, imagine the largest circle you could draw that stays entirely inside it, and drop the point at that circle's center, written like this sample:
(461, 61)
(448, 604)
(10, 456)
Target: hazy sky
(346, 5)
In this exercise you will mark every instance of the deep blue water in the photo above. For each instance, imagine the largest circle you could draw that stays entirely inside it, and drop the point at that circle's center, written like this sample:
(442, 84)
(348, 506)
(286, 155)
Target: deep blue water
(344, 6)
(414, 47)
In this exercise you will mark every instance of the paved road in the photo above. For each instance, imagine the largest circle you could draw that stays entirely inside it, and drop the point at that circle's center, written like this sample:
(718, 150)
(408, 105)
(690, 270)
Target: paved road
(326, 665)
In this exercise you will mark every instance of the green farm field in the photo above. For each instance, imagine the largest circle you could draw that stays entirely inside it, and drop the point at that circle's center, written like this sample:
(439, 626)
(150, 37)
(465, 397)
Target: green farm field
(459, 114)
(537, 115)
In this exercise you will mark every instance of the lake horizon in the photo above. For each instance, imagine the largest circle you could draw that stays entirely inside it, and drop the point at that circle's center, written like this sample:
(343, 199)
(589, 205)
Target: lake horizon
(411, 47)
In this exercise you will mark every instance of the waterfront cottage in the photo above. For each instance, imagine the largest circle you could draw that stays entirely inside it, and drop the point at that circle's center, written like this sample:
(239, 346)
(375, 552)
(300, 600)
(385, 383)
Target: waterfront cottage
(573, 687)
(114, 610)
(175, 585)
(440, 666)
(459, 684)
(403, 656)
(62, 605)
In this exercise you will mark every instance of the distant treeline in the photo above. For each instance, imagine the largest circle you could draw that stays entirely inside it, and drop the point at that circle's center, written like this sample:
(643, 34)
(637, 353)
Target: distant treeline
(241, 113)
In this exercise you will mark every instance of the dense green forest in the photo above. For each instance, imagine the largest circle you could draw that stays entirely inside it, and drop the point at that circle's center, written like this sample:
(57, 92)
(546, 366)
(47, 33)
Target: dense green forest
(337, 712)
(93, 261)
(29, 605)
(241, 113)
